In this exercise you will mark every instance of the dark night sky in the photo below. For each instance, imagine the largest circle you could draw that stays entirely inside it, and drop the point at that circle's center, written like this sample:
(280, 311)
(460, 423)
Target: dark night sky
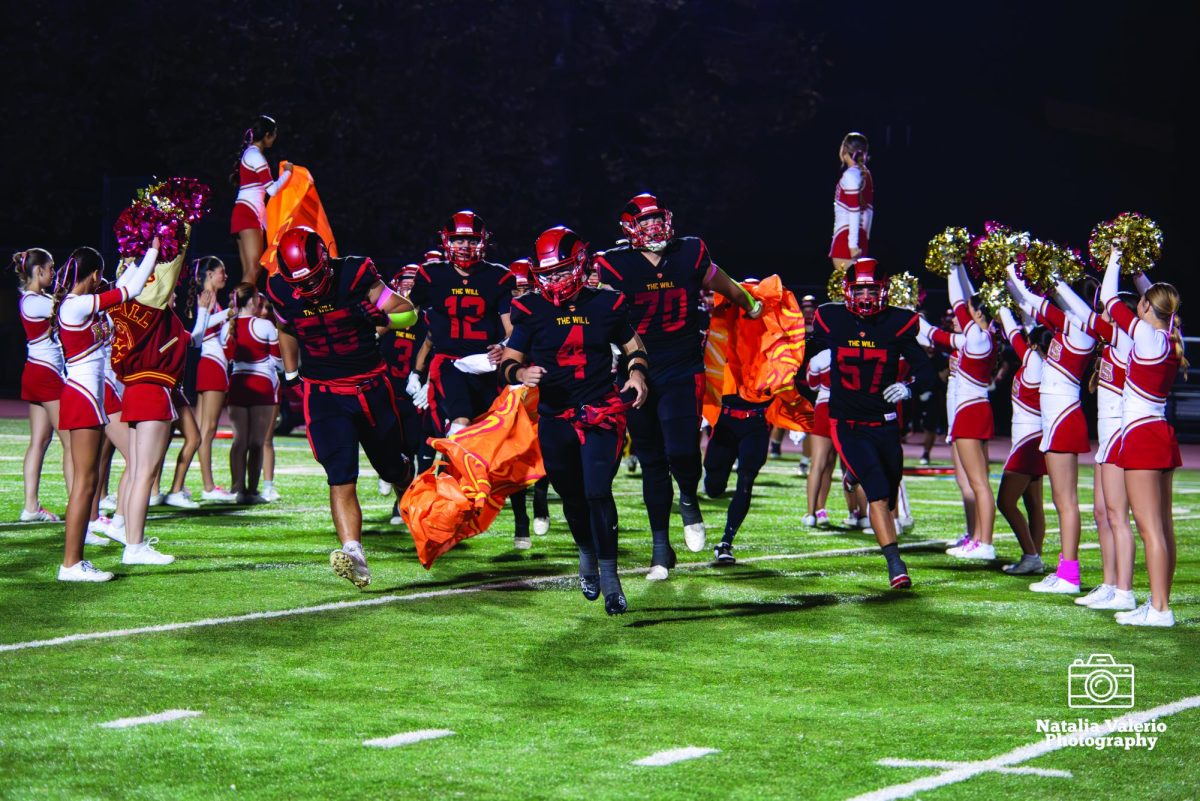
(547, 112)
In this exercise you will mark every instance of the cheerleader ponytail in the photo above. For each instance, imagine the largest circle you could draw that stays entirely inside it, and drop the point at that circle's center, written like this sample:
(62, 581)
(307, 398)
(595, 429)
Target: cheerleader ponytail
(1164, 301)
(855, 145)
(261, 128)
(24, 262)
(83, 262)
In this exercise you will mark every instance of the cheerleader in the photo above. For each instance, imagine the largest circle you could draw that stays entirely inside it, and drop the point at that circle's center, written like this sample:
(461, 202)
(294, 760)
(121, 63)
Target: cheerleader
(1149, 452)
(186, 425)
(853, 203)
(41, 376)
(1111, 506)
(116, 439)
(212, 373)
(254, 350)
(1064, 430)
(249, 221)
(1025, 466)
(820, 471)
(973, 425)
(267, 488)
(952, 381)
(78, 311)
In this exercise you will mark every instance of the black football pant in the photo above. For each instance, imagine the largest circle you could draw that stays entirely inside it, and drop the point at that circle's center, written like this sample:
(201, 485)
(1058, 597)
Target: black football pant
(582, 475)
(873, 454)
(666, 441)
(744, 439)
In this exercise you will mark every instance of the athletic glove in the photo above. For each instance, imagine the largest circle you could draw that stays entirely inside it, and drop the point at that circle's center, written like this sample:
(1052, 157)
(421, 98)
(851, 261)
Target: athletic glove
(421, 399)
(414, 384)
(476, 364)
(926, 395)
(897, 392)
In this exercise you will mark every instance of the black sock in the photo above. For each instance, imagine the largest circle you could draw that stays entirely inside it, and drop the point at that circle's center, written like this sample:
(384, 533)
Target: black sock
(891, 553)
(661, 554)
(609, 582)
(588, 566)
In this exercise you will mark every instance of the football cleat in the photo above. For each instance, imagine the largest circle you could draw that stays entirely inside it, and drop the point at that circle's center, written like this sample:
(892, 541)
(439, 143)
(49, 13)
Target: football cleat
(693, 525)
(541, 525)
(351, 565)
(590, 587)
(615, 604)
(723, 554)
(899, 576)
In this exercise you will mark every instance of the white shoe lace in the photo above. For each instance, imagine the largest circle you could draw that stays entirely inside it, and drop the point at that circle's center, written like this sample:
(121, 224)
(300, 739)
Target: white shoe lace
(87, 567)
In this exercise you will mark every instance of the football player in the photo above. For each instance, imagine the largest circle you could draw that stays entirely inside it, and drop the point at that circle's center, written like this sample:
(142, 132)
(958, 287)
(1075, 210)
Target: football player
(866, 338)
(662, 276)
(327, 311)
(561, 343)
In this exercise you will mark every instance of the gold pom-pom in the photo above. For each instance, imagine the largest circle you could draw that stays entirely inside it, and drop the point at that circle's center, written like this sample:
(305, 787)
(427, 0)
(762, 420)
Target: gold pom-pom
(904, 291)
(833, 287)
(947, 249)
(1044, 264)
(995, 250)
(1140, 242)
(1070, 265)
(994, 296)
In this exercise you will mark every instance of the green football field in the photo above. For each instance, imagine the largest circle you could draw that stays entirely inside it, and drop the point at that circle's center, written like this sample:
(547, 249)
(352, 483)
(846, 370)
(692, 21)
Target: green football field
(794, 674)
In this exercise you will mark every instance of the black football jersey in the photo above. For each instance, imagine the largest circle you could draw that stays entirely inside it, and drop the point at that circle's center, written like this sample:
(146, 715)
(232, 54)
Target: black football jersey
(663, 302)
(572, 342)
(336, 332)
(865, 359)
(463, 311)
(399, 349)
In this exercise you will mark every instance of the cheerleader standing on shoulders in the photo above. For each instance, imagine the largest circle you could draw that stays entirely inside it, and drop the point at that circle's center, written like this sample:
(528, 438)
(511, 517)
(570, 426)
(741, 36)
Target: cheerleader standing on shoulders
(820, 471)
(1025, 466)
(1064, 430)
(973, 426)
(1149, 451)
(41, 376)
(581, 417)
(853, 203)
(79, 313)
(249, 221)
(212, 374)
(254, 351)
(1111, 506)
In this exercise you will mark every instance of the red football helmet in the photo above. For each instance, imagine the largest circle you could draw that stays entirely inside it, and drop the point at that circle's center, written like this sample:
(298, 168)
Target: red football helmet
(865, 287)
(402, 282)
(647, 224)
(464, 225)
(304, 262)
(520, 270)
(432, 257)
(560, 258)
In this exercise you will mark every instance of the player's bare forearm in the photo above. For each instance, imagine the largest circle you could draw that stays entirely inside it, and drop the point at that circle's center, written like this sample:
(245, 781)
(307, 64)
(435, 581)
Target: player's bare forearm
(289, 350)
(719, 281)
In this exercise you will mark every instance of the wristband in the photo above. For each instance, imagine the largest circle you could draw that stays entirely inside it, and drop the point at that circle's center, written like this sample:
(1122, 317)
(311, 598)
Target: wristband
(637, 367)
(508, 370)
(639, 354)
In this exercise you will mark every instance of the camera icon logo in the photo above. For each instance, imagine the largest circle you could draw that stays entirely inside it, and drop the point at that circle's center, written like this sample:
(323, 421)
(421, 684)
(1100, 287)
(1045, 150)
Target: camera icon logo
(1099, 683)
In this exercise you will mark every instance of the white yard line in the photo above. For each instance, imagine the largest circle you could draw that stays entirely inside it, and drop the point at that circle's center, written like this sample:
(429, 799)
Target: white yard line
(340, 606)
(946, 764)
(675, 755)
(407, 738)
(160, 717)
(1039, 748)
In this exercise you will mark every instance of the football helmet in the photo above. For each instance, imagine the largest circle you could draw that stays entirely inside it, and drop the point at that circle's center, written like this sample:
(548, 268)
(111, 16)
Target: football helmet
(464, 225)
(646, 224)
(865, 287)
(520, 270)
(402, 282)
(432, 257)
(559, 260)
(304, 262)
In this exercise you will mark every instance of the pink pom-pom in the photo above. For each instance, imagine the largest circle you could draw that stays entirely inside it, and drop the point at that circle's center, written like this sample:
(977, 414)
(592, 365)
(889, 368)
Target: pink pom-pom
(137, 226)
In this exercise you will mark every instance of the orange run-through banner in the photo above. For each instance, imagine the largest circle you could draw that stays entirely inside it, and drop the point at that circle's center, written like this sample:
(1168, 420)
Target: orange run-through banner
(296, 204)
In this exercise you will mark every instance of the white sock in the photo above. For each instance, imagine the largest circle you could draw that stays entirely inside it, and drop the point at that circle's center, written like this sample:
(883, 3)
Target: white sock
(353, 547)
(268, 485)
(118, 521)
(454, 429)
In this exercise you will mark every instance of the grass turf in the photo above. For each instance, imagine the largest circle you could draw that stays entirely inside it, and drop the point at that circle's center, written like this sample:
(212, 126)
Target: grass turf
(804, 671)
